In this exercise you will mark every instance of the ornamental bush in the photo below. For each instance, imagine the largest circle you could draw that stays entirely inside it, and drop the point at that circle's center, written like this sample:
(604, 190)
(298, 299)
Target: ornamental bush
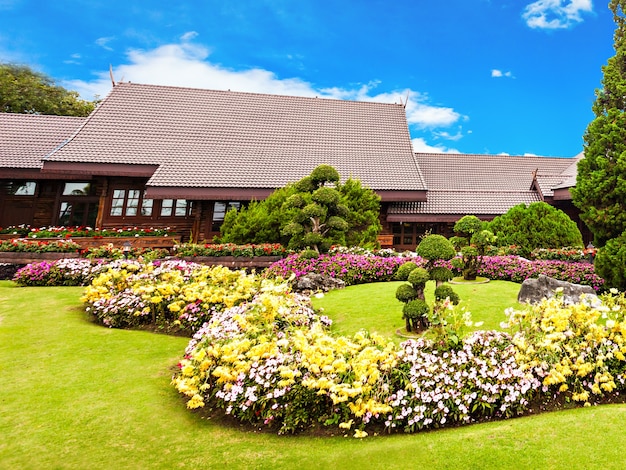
(435, 247)
(444, 292)
(402, 274)
(610, 262)
(538, 225)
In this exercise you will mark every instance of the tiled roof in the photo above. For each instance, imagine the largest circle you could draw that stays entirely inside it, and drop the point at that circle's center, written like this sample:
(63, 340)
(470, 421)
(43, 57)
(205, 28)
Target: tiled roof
(461, 184)
(26, 138)
(207, 138)
(466, 202)
(476, 173)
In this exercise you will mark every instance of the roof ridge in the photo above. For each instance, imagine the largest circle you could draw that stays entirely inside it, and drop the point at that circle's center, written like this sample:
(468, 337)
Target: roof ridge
(339, 100)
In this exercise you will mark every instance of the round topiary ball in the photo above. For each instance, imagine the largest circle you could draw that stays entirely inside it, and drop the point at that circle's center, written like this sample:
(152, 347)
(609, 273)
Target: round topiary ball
(415, 309)
(418, 277)
(402, 273)
(445, 291)
(434, 247)
(405, 293)
(441, 274)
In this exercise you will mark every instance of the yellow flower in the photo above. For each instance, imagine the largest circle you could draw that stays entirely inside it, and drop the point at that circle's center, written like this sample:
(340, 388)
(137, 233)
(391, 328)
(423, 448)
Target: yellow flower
(359, 434)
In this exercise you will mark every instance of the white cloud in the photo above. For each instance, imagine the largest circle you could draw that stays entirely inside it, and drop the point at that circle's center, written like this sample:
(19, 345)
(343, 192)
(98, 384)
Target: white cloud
(188, 36)
(556, 14)
(495, 73)
(420, 146)
(104, 41)
(188, 65)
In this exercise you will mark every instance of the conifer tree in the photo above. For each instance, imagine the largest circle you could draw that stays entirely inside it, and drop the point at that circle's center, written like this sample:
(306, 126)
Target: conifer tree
(600, 191)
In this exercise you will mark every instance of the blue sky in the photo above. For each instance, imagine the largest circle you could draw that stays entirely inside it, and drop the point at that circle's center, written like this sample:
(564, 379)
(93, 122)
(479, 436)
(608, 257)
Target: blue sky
(481, 76)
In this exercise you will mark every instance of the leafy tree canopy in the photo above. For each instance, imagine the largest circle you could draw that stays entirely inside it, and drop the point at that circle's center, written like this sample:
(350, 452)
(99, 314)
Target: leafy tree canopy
(538, 225)
(316, 212)
(25, 91)
(600, 191)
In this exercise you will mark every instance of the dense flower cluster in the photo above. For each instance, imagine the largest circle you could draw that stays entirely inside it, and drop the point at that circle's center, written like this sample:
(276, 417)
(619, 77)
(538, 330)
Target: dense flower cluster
(273, 362)
(37, 246)
(574, 349)
(84, 231)
(516, 269)
(175, 293)
(357, 250)
(109, 251)
(352, 269)
(63, 272)
(230, 249)
(562, 254)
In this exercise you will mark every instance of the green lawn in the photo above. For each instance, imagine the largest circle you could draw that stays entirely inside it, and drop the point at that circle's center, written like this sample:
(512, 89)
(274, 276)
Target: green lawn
(80, 396)
(374, 306)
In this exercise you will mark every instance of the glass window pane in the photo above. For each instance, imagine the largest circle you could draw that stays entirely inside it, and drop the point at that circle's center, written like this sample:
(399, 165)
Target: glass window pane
(166, 207)
(77, 189)
(181, 208)
(117, 203)
(132, 203)
(65, 213)
(119, 193)
(26, 188)
(146, 207)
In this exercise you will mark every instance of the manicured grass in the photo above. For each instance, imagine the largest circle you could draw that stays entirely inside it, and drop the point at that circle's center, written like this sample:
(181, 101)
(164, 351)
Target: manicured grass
(374, 306)
(74, 395)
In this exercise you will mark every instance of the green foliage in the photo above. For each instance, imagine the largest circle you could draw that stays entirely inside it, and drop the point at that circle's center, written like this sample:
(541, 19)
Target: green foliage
(405, 293)
(402, 274)
(324, 174)
(468, 225)
(346, 214)
(418, 277)
(309, 254)
(482, 239)
(458, 242)
(25, 91)
(441, 274)
(415, 309)
(435, 247)
(610, 262)
(444, 292)
(600, 191)
(538, 225)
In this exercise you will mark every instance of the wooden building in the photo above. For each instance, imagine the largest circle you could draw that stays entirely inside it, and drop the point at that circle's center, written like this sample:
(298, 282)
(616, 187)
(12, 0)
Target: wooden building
(161, 156)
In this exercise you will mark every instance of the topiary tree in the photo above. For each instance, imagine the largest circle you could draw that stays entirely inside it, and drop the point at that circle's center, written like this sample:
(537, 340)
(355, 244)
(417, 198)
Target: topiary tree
(444, 292)
(538, 225)
(315, 212)
(416, 311)
(435, 247)
(475, 241)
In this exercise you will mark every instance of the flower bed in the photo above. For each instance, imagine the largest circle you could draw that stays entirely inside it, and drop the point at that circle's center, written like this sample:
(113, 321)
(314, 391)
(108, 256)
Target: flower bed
(82, 231)
(352, 269)
(230, 249)
(62, 272)
(22, 245)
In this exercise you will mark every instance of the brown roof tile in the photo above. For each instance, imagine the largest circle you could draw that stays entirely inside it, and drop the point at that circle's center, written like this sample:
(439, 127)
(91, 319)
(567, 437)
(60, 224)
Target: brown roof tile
(26, 138)
(212, 139)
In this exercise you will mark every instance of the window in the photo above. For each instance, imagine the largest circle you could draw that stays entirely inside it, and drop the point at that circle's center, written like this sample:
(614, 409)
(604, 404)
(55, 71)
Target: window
(130, 203)
(21, 188)
(176, 207)
(77, 189)
(219, 212)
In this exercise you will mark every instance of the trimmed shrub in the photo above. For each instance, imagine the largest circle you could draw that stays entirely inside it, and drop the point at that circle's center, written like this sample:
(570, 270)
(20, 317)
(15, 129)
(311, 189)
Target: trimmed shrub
(418, 277)
(441, 274)
(444, 292)
(435, 247)
(610, 262)
(402, 274)
(405, 293)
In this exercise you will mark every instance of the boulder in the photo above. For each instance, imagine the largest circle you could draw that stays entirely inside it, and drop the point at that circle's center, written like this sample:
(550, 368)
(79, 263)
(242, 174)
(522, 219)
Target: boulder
(534, 291)
(314, 282)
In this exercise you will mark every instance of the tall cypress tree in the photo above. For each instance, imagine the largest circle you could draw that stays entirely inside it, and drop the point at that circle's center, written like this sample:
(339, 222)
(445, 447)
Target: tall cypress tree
(600, 191)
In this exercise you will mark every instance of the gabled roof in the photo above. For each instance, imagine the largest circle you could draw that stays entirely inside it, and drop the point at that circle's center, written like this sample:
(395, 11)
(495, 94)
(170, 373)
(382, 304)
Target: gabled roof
(26, 138)
(214, 139)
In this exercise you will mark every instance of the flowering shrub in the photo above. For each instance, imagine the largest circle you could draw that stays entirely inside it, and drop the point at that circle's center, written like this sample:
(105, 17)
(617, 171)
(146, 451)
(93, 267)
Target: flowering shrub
(83, 231)
(230, 249)
(173, 294)
(63, 272)
(574, 349)
(357, 250)
(352, 269)
(516, 269)
(562, 254)
(111, 252)
(34, 246)
(273, 362)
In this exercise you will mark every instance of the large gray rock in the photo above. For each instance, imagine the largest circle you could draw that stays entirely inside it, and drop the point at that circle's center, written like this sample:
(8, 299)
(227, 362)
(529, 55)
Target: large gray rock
(314, 282)
(534, 291)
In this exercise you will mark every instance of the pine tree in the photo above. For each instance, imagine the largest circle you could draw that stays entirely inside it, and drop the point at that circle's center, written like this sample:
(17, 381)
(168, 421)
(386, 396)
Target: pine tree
(600, 191)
